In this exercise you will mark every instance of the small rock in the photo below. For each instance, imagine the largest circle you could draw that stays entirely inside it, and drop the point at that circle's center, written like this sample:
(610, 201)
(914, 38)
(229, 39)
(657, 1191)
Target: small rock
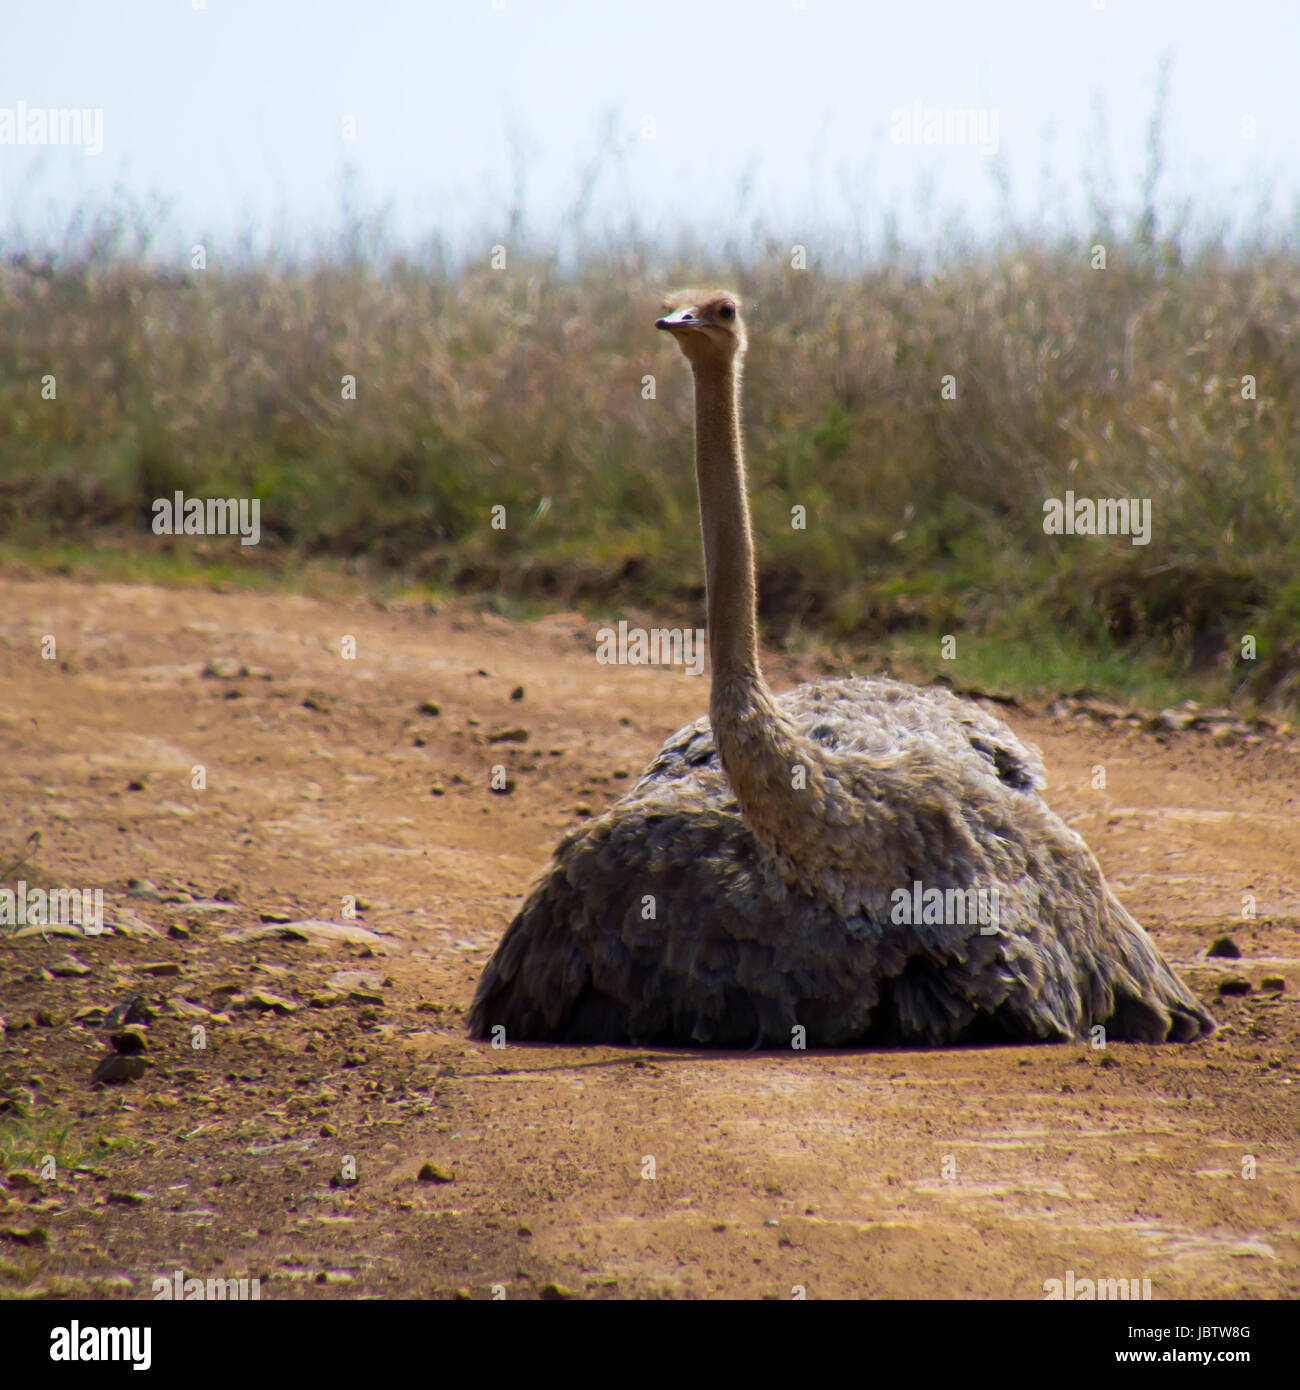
(92, 1014)
(428, 707)
(130, 1040)
(1100, 711)
(141, 888)
(508, 736)
(510, 785)
(311, 930)
(179, 931)
(131, 1009)
(118, 1069)
(1275, 984)
(131, 924)
(552, 1290)
(23, 1179)
(162, 969)
(437, 790)
(70, 967)
(270, 915)
(517, 693)
(1168, 721)
(582, 809)
(185, 1008)
(432, 1173)
(1234, 984)
(1225, 947)
(25, 1235)
(463, 1294)
(265, 1002)
(45, 929)
(129, 1199)
(136, 784)
(225, 668)
(355, 980)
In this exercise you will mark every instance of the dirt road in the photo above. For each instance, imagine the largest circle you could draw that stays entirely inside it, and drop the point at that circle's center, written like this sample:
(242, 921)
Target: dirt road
(300, 1078)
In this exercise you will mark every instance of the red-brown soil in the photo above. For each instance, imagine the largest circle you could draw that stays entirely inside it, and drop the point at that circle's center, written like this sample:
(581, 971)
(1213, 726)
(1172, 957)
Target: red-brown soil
(980, 1172)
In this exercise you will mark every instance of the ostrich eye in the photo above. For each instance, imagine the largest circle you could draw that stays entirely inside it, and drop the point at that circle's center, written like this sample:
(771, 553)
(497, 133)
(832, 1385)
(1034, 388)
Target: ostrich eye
(728, 311)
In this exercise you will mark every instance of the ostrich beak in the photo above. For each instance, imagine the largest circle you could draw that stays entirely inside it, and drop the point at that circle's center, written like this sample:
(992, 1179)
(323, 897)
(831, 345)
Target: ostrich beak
(679, 319)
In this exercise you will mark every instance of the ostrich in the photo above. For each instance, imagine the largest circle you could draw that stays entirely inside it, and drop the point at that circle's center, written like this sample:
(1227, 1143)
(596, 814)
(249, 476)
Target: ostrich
(812, 866)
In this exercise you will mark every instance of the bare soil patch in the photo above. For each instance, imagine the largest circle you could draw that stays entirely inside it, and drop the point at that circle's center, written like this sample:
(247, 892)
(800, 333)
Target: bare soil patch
(333, 1066)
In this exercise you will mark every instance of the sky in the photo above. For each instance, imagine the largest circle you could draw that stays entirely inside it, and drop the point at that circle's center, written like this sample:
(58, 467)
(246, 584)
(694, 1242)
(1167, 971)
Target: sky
(260, 119)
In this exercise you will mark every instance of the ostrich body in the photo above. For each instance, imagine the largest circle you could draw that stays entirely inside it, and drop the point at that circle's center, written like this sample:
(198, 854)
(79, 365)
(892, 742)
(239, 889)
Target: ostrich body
(775, 867)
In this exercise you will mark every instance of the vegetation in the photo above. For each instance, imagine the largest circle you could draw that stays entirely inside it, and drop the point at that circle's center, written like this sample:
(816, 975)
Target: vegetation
(1170, 375)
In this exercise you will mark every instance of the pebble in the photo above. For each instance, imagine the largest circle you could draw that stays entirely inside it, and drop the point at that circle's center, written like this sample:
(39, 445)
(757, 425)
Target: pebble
(273, 1003)
(225, 668)
(70, 967)
(25, 1235)
(118, 1069)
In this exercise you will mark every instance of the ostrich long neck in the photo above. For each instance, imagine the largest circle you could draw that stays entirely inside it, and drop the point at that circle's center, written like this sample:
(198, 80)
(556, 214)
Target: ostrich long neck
(779, 780)
(724, 520)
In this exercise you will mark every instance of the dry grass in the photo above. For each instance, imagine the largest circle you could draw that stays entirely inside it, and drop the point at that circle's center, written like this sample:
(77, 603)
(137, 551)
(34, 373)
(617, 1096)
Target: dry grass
(522, 388)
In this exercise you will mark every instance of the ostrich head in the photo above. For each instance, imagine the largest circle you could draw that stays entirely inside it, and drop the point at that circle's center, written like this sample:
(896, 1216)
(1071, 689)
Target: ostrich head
(706, 324)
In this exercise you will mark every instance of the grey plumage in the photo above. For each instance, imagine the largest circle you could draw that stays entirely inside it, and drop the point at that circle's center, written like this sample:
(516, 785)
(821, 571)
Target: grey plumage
(734, 957)
(760, 884)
